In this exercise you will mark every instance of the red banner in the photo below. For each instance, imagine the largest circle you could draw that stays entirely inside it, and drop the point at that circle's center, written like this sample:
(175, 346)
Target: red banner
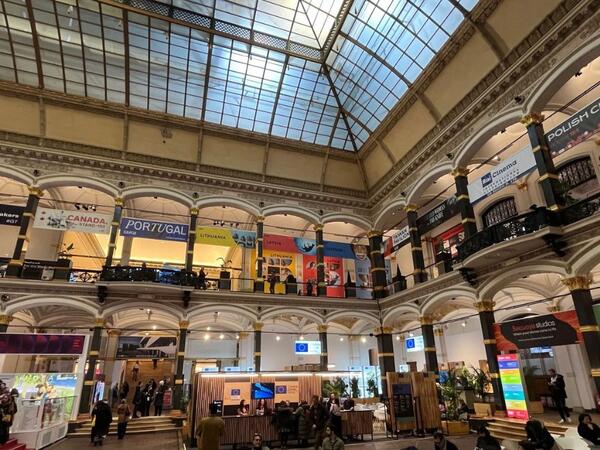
(279, 243)
(334, 274)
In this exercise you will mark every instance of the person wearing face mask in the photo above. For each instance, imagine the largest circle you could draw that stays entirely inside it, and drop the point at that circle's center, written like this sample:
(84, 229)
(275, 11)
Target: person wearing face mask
(331, 441)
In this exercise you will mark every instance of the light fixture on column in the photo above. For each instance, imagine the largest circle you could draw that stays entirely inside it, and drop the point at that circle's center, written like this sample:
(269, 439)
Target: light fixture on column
(410, 335)
(237, 336)
(301, 337)
(464, 323)
(341, 339)
(398, 337)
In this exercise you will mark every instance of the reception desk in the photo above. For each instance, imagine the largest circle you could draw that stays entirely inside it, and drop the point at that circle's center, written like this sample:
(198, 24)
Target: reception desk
(240, 430)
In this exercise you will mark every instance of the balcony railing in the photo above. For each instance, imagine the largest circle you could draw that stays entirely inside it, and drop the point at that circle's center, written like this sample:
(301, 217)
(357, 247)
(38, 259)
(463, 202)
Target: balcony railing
(581, 210)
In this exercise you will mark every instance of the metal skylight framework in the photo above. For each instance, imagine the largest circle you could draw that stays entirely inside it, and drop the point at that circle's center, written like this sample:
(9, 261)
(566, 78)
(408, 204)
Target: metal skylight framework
(323, 72)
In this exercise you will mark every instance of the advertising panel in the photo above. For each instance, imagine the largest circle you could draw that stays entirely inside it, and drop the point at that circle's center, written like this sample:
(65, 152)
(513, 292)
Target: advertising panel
(307, 347)
(41, 344)
(511, 378)
(561, 328)
(225, 237)
(415, 344)
(84, 221)
(287, 391)
(147, 347)
(151, 229)
(306, 246)
(38, 386)
(403, 402)
(11, 215)
(334, 276)
(577, 128)
(236, 391)
(363, 278)
(505, 173)
(398, 240)
(438, 215)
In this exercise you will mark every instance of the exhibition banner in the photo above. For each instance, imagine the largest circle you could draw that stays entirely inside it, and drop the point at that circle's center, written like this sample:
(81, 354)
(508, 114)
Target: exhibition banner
(236, 391)
(38, 386)
(561, 328)
(438, 215)
(398, 240)
(338, 249)
(41, 344)
(334, 275)
(513, 389)
(84, 221)
(363, 278)
(287, 391)
(146, 347)
(150, 229)
(225, 237)
(577, 128)
(307, 246)
(11, 215)
(505, 173)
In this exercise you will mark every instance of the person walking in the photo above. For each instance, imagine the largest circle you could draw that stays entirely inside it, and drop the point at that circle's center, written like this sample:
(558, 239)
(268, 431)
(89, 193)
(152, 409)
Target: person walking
(8, 409)
(158, 399)
(559, 395)
(147, 396)
(302, 425)
(135, 372)
(317, 416)
(123, 415)
(331, 440)
(589, 430)
(101, 420)
(441, 443)
(284, 420)
(137, 400)
(209, 430)
(124, 393)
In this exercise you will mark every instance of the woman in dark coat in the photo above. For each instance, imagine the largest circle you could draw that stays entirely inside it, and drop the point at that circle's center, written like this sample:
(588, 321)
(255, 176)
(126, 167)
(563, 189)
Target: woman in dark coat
(137, 400)
(485, 441)
(284, 419)
(101, 417)
(302, 424)
(538, 437)
(588, 430)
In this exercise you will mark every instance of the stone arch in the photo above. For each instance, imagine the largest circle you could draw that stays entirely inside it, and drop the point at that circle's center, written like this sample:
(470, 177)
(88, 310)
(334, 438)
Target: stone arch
(464, 312)
(116, 307)
(278, 311)
(393, 205)
(157, 191)
(471, 147)
(409, 309)
(360, 222)
(292, 210)
(430, 304)
(492, 286)
(16, 174)
(234, 202)
(367, 317)
(554, 79)
(584, 261)
(421, 186)
(246, 312)
(50, 181)
(32, 301)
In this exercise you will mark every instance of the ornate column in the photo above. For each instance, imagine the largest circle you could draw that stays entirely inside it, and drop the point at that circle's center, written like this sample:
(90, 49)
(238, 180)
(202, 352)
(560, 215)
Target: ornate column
(321, 285)
(258, 326)
(415, 244)
(324, 362)
(583, 301)
(402, 350)
(464, 203)
(385, 353)
(178, 387)
(377, 263)
(4, 322)
(189, 254)
(16, 263)
(88, 378)
(240, 349)
(114, 228)
(543, 159)
(259, 284)
(487, 320)
(431, 362)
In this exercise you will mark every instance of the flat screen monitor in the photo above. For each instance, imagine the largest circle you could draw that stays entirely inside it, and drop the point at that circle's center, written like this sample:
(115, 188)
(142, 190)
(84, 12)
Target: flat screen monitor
(263, 390)
(308, 348)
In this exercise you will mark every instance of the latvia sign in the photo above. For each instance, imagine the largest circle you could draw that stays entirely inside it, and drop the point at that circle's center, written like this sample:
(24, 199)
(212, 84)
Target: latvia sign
(59, 219)
(151, 229)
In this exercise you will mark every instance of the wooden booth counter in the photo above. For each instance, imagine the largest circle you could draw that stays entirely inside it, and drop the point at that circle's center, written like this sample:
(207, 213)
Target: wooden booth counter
(240, 430)
(357, 423)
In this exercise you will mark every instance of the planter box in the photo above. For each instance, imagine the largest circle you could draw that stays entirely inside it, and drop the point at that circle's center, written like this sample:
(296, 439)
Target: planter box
(455, 428)
(484, 409)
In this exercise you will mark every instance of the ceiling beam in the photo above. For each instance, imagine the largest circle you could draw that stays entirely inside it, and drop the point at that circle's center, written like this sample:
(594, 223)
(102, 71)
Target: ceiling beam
(212, 26)
(337, 28)
(36, 45)
(325, 71)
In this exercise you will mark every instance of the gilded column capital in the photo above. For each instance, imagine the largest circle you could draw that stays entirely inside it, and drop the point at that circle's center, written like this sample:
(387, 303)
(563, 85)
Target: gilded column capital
(119, 202)
(36, 191)
(426, 320)
(322, 328)
(485, 305)
(194, 211)
(438, 332)
(401, 337)
(260, 219)
(411, 207)
(258, 326)
(318, 227)
(554, 308)
(579, 283)
(114, 332)
(242, 335)
(374, 233)
(184, 324)
(460, 172)
(5, 319)
(532, 118)
(383, 330)
(99, 322)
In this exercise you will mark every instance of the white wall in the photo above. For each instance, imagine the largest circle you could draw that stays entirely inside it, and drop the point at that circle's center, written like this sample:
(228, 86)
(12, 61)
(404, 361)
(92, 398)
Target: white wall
(464, 343)
(43, 244)
(9, 238)
(212, 348)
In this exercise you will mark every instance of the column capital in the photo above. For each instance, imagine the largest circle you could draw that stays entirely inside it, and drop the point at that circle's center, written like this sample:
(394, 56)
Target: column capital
(485, 305)
(426, 320)
(260, 219)
(554, 308)
(99, 322)
(322, 328)
(438, 332)
(258, 326)
(5, 319)
(579, 283)
(374, 233)
(383, 330)
(318, 227)
(401, 337)
(194, 211)
(114, 332)
(36, 191)
(533, 118)
(411, 207)
(243, 335)
(119, 202)
(184, 324)
(460, 172)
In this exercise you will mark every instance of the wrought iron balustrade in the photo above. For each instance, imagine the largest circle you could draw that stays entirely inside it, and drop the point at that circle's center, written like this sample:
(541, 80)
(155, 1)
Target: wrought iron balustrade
(150, 275)
(581, 210)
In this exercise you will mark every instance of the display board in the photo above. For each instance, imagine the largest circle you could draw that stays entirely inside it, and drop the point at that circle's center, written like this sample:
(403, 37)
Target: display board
(307, 347)
(41, 344)
(63, 220)
(236, 391)
(511, 377)
(415, 344)
(38, 386)
(288, 391)
(577, 128)
(152, 229)
(146, 347)
(11, 215)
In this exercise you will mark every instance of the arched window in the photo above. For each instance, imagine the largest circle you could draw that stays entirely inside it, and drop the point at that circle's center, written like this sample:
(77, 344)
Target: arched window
(577, 178)
(500, 211)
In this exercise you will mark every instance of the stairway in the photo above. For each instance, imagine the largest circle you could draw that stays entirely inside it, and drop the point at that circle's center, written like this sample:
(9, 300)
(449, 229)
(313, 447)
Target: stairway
(514, 430)
(135, 426)
(13, 444)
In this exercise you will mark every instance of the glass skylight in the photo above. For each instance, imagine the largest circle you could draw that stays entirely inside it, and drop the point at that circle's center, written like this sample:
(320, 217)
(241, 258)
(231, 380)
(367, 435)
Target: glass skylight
(278, 67)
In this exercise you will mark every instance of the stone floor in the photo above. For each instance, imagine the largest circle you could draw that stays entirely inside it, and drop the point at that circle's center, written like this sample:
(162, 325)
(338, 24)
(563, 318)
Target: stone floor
(149, 441)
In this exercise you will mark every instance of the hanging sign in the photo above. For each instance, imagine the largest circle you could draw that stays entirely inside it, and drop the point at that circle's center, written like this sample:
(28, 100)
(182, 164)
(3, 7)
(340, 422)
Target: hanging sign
(41, 344)
(561, 328)
(151, 229)
(511, 378)
(438, 215)
(226, 237)
(11, 215)
(398, 240)
(577, 128)
(84, 221)
(502, 175)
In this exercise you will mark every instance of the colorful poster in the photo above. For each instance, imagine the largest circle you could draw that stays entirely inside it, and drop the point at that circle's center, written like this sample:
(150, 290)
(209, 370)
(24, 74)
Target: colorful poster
(39, 386)
(309, 264)
(334, 276)
(281, 265)
(225, 237)
(398, 240)
(287, 391)
(560, 328)
(11, 215)
(41, 344)
(363, 278)
(236, 391)
(511, 378)
(338, 250)
(146, 347)
(150, 229)
(306, 246)
(505, 173)
(577, 128)
(84, 221)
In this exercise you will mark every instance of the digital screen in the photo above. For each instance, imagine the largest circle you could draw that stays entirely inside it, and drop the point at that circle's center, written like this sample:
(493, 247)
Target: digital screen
(512, 385)
(41, 344)
(415, 344)
(403, 368)
(308, 347)
(263, 390)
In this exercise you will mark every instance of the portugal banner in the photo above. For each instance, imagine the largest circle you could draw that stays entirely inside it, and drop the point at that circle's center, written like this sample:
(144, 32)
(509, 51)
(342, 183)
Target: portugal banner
(560, 328)
(151, 229)
(59, 219)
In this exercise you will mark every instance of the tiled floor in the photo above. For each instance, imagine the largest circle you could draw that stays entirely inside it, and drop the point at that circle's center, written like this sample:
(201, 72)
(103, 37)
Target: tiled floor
(149, 441)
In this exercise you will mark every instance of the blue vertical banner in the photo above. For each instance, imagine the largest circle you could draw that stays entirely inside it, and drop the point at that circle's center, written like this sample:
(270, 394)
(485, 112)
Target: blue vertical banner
(363, 278)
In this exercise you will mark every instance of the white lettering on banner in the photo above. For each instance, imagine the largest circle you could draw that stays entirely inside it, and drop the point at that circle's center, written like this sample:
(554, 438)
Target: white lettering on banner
(401, 236)
(59, 219)
(502, 175)
(573, 122)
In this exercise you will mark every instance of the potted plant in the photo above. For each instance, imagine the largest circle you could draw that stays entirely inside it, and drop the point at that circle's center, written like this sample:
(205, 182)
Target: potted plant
(354, 389)
(338, 387)
(481, 380)
(372, 387)
(451, 394)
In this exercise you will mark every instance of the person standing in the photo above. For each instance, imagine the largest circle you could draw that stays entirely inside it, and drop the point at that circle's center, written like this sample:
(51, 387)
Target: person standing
(135, 372)
(137, 400)
(209, 430)
(441, 443)
(332, 441)
(123, 414)
(335, 416)
(8, 409)
(317, 417)
(124, 393)
(302, 427)
(284, 420)
(243, 408)
(101, 419)
(158, 399)
(147, 396)
(559, 395)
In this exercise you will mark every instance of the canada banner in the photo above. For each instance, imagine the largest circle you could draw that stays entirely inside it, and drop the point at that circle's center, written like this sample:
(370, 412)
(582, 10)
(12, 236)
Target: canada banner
(560, 328)
(63, 220)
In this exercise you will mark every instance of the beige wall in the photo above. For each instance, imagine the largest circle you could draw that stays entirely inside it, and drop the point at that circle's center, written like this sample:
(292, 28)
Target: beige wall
(377, 164)
(19, 116)
(231, 154)
(343, 173)
(297, 166)
(147, 139)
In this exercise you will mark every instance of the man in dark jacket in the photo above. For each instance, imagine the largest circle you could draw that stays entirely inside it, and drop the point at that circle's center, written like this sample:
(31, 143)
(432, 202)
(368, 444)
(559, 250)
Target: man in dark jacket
(559, 395)
(317, 419)
(101, 418)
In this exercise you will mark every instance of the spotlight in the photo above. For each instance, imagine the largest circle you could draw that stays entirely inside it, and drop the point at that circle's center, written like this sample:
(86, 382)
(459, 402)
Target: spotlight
(277, 338)
(410, 335)
(77, 206)
(579, 73)
(464, 324)
(341, 339)
(301, 338)
(363, 339)
(237, 336)
(398, 337)
(497, 158)
(221, 336)
(154, 327)
(70, 10)
(206, 337)
(529, 308)
(449, 155)
(207, 328)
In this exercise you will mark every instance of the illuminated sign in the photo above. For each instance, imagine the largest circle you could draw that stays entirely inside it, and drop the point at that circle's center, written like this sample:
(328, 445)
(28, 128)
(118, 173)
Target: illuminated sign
(308, 347)
(415, 344)
(511, 377)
